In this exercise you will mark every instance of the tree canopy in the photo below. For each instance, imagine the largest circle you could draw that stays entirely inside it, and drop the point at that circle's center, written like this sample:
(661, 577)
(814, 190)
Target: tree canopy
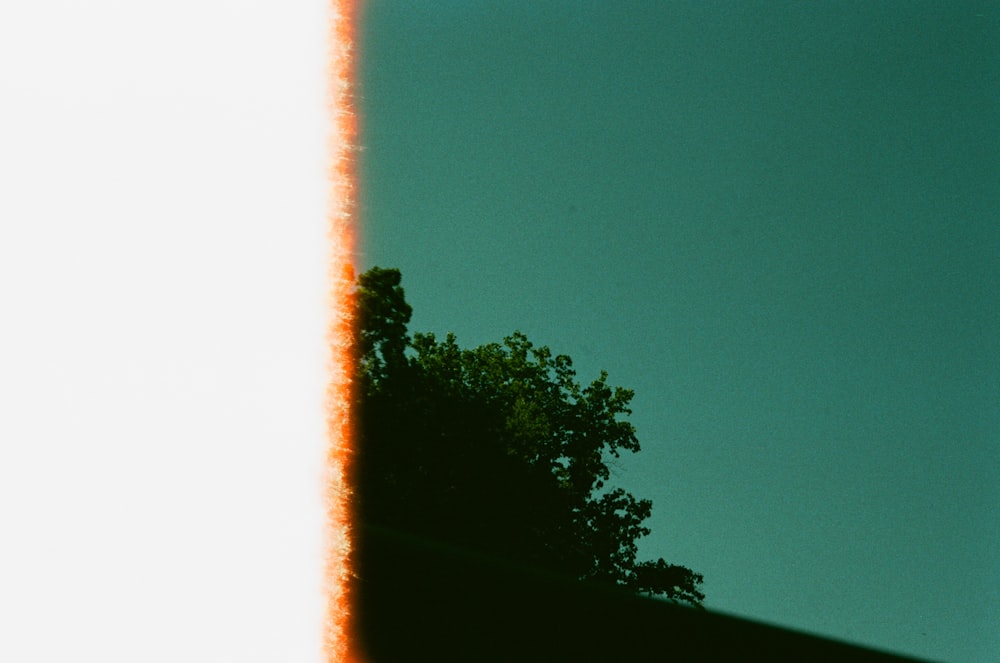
(497, 448)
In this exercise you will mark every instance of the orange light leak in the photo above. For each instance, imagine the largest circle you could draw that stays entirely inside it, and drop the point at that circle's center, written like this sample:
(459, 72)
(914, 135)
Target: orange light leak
(337, 637)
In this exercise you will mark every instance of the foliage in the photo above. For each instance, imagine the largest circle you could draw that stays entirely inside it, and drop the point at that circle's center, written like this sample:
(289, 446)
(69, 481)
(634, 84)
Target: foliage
(497, 448)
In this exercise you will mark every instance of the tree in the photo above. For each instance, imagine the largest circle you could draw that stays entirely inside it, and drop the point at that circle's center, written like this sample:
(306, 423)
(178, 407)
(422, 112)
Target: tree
(497, 448)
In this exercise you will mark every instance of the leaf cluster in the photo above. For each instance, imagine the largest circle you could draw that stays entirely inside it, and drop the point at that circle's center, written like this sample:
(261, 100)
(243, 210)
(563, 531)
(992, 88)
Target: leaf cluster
(499, 448)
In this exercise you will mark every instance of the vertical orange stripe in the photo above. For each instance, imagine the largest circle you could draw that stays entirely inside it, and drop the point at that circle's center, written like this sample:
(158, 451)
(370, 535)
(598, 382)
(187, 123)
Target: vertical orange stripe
(338, 646)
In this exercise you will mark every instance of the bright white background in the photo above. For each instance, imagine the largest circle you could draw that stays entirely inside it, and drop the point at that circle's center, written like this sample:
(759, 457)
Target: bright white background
(162, 274)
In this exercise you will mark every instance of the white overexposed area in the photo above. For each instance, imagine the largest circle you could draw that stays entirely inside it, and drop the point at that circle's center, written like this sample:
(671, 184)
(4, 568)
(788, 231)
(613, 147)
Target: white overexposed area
(162, 289)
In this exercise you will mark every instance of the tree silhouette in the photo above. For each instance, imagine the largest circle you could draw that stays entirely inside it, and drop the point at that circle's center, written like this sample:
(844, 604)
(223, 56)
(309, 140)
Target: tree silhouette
(496, 449)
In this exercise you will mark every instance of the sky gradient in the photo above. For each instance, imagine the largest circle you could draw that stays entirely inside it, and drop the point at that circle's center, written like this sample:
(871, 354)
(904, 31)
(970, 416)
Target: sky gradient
(777, 222)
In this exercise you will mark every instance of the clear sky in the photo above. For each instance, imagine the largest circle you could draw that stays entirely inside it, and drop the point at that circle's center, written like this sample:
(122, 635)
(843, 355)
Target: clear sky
(162, 273)
(778, 223)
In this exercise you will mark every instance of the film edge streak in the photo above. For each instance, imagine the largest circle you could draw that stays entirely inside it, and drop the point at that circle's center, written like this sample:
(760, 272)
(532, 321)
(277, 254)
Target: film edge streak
(338, 637)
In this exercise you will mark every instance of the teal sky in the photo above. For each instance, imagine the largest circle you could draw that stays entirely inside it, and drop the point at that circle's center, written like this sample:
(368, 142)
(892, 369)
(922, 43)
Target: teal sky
(778, 223)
